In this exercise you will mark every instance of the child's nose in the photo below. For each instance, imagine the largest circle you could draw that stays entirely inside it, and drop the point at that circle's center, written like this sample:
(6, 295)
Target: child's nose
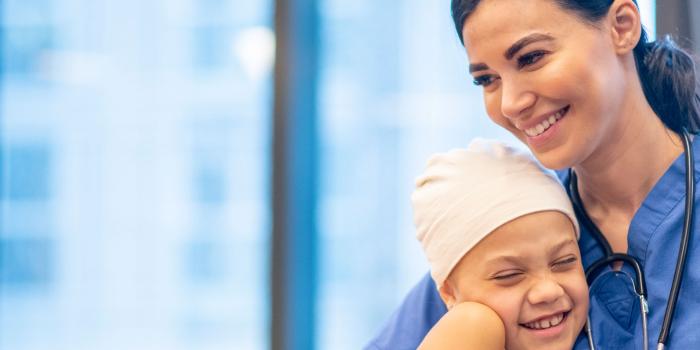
(545, 290)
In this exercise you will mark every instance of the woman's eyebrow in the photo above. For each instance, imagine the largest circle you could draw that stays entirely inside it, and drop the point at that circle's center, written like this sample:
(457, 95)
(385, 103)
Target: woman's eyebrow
(518, 45)
(513, 49)
(477, 67)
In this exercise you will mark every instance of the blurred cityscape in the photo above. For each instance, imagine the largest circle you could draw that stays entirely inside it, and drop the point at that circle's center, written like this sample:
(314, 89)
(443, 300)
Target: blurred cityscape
(135, 160)
(134, 174)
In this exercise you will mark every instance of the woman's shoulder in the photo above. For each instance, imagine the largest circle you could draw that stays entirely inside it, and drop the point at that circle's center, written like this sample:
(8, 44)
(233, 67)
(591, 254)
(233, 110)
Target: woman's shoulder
(467, 325)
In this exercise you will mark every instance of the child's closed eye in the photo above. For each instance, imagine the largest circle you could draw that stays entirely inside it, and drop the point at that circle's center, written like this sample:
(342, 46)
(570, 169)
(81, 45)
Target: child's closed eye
(565, 262)
(507, 275)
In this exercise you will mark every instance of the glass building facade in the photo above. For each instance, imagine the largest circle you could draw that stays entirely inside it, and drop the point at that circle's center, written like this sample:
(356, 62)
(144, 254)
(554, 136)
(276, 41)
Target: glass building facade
(134, 164)
(135, 161)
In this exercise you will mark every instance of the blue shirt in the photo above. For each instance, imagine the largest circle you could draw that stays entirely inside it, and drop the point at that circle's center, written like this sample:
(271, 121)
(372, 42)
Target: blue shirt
(653, 238)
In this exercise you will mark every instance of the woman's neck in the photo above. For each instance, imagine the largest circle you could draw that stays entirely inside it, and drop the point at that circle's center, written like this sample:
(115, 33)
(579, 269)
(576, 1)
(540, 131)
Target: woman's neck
(616, 179)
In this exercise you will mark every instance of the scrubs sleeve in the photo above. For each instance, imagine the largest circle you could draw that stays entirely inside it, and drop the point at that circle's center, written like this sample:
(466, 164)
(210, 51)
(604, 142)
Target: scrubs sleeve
(419, 311)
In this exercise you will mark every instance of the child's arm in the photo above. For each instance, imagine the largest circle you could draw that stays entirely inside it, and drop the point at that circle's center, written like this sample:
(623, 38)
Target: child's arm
(467, 326)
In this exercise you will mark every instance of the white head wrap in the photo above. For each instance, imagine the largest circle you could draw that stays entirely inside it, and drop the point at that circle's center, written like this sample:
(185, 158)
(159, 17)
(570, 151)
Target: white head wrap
(466, 194)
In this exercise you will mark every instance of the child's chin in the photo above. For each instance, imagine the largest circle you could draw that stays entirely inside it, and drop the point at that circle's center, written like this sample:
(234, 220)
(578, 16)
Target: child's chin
(556, 338)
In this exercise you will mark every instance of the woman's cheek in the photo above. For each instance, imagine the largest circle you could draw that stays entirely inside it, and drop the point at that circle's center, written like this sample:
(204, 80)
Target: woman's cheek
(492, 101)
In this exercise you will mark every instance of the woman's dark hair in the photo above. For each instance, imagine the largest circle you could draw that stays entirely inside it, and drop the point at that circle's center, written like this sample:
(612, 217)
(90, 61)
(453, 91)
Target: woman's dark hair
(666, 71)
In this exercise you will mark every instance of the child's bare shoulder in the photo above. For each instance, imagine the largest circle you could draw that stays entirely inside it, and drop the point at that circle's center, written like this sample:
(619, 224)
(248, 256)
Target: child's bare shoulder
(467, 325)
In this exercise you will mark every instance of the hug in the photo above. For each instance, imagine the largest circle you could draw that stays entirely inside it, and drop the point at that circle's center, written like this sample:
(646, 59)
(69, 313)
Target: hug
(614, 115)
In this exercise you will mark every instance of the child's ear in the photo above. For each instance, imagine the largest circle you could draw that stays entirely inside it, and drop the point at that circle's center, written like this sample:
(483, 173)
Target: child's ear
(447, 294)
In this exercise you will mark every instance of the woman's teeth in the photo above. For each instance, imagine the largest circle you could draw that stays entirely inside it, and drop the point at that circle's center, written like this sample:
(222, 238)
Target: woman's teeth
(546, 323)
(544, 125)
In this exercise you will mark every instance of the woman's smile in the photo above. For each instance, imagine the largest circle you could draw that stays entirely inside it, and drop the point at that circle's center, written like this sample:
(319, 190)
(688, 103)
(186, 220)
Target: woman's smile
(540, 134)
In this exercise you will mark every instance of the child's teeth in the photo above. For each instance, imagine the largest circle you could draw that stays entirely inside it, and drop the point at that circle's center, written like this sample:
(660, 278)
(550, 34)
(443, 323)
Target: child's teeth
(548, 323)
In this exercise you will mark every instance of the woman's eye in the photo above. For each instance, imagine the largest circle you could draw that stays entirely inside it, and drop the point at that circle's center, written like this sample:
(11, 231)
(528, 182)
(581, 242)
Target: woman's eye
(484, 80)
(530, 58)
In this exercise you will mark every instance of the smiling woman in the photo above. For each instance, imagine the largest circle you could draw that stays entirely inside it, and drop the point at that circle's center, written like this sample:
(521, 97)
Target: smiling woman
(545, 65)
(581, 86)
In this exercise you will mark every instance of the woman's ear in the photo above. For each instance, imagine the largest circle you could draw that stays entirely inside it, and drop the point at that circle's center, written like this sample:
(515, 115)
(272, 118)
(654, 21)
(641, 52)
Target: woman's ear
(447, 294)
(626, 25)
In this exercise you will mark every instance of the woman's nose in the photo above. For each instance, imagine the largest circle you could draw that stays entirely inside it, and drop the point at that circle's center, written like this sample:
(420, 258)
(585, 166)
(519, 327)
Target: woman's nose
(516, 100)
(544, 291)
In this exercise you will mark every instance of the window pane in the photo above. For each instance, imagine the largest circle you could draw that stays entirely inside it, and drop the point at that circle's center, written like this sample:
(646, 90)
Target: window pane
(381, 119)
(394, 89)
(647, 9)
(133, 174)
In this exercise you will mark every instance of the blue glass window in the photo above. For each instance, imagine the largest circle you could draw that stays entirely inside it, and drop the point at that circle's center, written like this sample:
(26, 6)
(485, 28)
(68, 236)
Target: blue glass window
(134, 157)
(25, 263)
(28, 172)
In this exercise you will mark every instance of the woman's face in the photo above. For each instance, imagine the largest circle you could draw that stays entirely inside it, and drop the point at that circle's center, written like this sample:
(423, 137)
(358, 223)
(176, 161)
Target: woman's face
(549, 78)
(528, 271)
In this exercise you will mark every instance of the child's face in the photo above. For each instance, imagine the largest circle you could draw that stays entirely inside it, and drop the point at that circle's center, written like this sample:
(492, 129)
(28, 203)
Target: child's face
(529, 271)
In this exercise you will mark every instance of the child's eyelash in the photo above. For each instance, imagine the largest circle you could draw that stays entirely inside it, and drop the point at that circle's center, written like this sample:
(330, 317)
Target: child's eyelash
(506, 276)
(567, 261)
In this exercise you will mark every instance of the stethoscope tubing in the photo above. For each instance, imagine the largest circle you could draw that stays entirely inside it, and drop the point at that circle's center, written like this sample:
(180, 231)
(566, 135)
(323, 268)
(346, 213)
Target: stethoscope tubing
(610, 256)
(685, 239)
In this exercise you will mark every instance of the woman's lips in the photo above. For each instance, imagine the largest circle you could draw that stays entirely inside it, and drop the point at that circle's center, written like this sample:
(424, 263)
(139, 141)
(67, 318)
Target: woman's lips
(547, 134)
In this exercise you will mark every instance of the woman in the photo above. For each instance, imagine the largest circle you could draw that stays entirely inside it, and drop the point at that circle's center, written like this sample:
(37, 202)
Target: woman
(578, 83)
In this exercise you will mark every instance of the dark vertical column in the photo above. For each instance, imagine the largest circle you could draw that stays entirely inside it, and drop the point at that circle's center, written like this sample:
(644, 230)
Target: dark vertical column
(695, 24)
(675, 17)
(295, 164)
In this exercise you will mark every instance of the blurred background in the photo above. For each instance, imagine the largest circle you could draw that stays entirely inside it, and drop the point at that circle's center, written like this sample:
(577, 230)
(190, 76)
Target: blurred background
(165, 185)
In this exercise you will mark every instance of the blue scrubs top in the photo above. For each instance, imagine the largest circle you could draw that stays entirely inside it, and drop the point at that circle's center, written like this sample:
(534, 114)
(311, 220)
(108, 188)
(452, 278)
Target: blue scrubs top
(653, 238)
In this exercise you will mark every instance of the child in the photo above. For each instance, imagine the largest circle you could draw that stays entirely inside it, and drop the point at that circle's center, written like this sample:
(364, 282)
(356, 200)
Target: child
(501, 239)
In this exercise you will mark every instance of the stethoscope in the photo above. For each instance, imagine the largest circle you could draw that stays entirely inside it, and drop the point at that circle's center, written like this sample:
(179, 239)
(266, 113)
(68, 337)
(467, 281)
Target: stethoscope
(639, 282)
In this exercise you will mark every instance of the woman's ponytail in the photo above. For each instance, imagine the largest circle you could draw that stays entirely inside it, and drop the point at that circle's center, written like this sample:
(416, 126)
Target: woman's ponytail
(669, 82)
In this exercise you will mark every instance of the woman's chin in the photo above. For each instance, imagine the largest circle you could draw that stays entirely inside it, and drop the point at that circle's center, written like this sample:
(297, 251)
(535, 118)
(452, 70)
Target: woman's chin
(553, 159)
